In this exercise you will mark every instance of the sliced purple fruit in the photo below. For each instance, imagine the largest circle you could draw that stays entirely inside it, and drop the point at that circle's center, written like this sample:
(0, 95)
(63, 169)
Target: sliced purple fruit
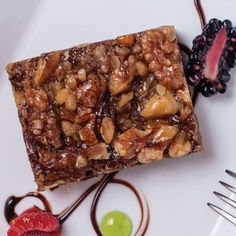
(213, 55)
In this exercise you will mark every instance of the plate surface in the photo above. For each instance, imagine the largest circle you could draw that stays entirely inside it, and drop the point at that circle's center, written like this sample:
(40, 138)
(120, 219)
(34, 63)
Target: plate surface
(177, 190)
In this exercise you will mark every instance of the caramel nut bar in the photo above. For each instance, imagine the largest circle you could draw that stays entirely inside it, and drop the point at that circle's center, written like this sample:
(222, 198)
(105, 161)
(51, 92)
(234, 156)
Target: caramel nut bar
(105, 106)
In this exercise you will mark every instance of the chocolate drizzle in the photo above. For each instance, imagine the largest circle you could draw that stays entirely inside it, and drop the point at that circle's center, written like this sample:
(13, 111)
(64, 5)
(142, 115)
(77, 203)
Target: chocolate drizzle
(13, 201)
(200, 12)
(110, 179)
(185, 49)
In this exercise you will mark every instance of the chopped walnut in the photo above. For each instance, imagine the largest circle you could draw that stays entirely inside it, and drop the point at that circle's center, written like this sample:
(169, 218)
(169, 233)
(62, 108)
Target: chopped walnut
(62, 96)
(45, 67)
(180, 147)
(160, 106)
(81, 161)
(119, 82)
(126, 40)
(121, 79)
(184, 96)
(129, 142)
(71, 82)
(71, 102)
(100, 51)
(82, 75)
(56, 86)
(149, 154)
(169, 33)
(36, 126)
(145, 86)
(88, 92)
(97, 152)
(36, 98)
(19, 98)
(69, 129)
(107, 129)
(125, 98)
(161, 90)
(164, 133)
(168, 47)
(87, 134)
(185, 112)
(122, 52)
(68, 115)
(53, 131)
(141, 68)
(83, 115)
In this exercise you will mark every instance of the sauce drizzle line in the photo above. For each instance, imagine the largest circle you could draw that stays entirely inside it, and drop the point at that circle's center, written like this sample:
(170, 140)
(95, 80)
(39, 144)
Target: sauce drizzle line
(200, 12)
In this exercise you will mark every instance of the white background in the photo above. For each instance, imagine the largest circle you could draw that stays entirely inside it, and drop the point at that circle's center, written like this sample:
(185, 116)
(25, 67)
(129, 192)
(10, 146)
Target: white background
(177, 190)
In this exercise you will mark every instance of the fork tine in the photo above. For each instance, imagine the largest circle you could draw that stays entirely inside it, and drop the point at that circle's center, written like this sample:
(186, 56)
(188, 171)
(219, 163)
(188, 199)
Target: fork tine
(228, 186)
(231, 173)
(223, 213)
(225, 199)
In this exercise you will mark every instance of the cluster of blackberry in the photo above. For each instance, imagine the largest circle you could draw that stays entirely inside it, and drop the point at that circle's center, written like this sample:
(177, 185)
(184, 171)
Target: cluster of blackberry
(213, 55)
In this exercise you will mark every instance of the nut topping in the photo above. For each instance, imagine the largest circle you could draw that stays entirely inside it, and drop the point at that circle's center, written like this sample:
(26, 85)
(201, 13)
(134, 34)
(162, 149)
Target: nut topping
(37, 99)
(71, 102)
(46, 67)
(126, 40)
(87, 134)
(104, 106)
(81, 161)
(69, 129)
(166, 132)
(107, 129)
(62, 96)
(82, 75)
(97, 152)
(71, 81)
(130, 142)
(88, 92)
(160, 106)
(19, 98)
(149, 154)
(125, 98)
(180, 147)
(141, 68)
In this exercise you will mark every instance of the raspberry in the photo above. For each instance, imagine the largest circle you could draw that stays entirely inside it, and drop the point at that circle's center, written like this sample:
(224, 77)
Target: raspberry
(34, 222)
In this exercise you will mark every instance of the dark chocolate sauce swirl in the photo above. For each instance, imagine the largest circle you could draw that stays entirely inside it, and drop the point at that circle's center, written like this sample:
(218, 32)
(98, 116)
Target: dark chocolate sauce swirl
(12, 201)
(140, 231)
(200, 12)
(185, 49)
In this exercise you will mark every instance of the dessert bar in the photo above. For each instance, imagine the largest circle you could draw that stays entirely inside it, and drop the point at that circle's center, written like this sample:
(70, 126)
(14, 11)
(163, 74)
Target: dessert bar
(101, 107)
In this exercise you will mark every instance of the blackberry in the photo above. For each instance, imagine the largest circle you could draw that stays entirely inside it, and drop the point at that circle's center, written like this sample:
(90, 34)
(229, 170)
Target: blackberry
(213, 55)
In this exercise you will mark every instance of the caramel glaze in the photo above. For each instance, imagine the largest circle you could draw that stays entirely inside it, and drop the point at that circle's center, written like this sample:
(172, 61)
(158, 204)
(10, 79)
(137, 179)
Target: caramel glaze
(12, 201)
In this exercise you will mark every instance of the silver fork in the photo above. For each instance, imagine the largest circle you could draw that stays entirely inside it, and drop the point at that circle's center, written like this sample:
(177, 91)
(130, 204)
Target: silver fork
(226, 199)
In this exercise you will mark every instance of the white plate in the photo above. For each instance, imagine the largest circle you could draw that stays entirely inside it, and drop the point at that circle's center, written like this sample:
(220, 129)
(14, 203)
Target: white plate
(177, 190)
